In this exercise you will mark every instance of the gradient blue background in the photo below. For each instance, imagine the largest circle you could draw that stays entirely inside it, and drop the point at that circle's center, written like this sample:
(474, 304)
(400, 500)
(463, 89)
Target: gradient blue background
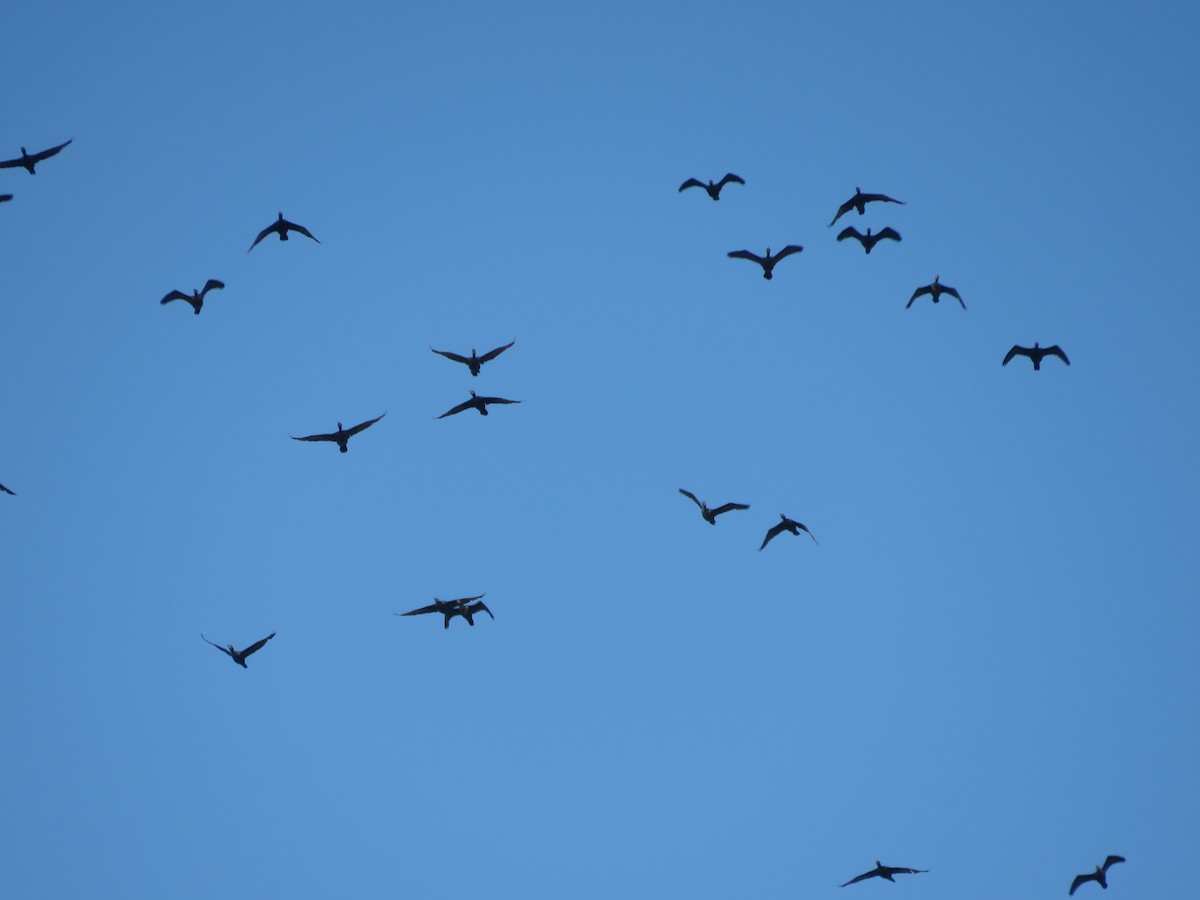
(987, 668)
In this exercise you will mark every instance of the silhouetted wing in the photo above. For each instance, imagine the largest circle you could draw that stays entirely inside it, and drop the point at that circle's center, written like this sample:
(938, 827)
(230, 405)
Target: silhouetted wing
(850, 232)
(46, 154)
(482, 606)
(691, 182)
(10, 163)
(364, 425)
(727, 507)
(770, 534)
(466, 404)
(433, 607)
(176, 295)
(953, 293)
(449, 355)
(692, 496)
(888, 233)
(729, 176)
(746, 254)
(1016, 351)
(292, 226)
(315, 437)
(496, 400)
(4, 198)
(864, 875)
(211, 285)
(7, 491)
(788, 251)
(258, 645)
(274, 226)
(224, 650)
(815, 541)
(492, 354)
(463, 601)
(1055, 350)
(920, 292)
(1080, 879)
(871, 198)
(896, 870)
(1111, 859)
(842, 210)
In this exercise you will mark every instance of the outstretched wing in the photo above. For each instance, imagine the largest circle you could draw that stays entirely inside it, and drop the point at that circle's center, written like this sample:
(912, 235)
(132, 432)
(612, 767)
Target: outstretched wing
(770, 534)
(46, 154)
(691, 182)
(292, 226)
(4, 198)
(1015, 351)
(364, 425)
(7, 491)
(315, 437)
(495, 400)
(872, 198)
(920, 292)
(1055, 350)
(692, 496)
(864, 875)
(746, 254)
(482, 606)
(953, 293)
(449, 355)
(1111, 859)
(466, 404)
(728, 506)
(896, 870)
(788, 251)
(274, 226)
(492, 354)
(729, 176)
(257, 645)
(888, 233)
(10, 163)
(804, 528)
(842, 210)
(211, 285)
(850, 232)
(175, 295)
(224, 650)
(463, 601)
(433, 607)
(1080, 879)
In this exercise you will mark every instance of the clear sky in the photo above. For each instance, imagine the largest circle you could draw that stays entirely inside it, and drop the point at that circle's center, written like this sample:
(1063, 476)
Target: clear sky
(986, 668)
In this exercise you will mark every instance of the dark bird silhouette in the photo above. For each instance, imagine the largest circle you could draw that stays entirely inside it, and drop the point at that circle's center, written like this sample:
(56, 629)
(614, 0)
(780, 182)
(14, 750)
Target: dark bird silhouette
(868, 240)
(464, 607)
(859, 201)
(767, 262)
(1098, 875)
(1036, 353)
(935, 291)
(281, 227)
(710, 515)
(196, 298)
(239, 656)
(882, 871)
(787, 525)
(4, 198)
(29, 160)
(476, 402)
(473, 362)
(342, 436)
(714, 190)
(7, 491)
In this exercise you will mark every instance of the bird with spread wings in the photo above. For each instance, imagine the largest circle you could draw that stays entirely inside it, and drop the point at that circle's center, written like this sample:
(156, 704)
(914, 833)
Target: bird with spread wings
(239, 656)
(473, 362)
(342, 436)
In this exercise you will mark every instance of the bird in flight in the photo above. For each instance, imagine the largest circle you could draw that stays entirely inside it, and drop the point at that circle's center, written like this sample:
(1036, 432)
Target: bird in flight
(1098, 875)
(882, 871)
(29, 160)
(868, 240)
(473, 362)
(767, 262)
(239, 656)
(281, 227)
(464, 606)
(342, 436)
(935, 290)
(714, 190)
(710, 515)
(859, 201)
(196, 298)
(476, 402)
(7, 491)
(795, 528)
(1036, 353)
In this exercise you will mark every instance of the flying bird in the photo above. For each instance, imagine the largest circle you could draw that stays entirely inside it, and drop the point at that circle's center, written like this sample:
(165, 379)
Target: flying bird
(239, 656)
(342, 436)
(1036, 353)
(767, 262)
(710, 515)
(196, 298)
(859, 201)
(29, 160)
(281, 227)
(464, 606)
(476, 402)
(7, 491)
(935, 290)
(473, 362)
(714, 190)
(787, 525)
(882, 871)
(1098, 875)
(868, 240)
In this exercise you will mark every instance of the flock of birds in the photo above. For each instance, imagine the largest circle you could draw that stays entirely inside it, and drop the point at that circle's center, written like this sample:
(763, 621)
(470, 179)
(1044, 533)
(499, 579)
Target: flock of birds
(468, 607)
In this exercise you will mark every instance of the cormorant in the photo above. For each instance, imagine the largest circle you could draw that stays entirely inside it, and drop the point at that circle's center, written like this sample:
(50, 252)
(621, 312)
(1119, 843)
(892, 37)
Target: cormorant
(710, 515)
(786, 525)
(281, 227)
(1098, 875)
(342, 436)
(882, 871)
(239, 656)
(935, 290)
(476, 402)
(196, 298)
(1036, 353)
(858, 201)
(767, 262)
(29, 160)
(473, 362)
(464, 607)
(714, 190)
(868, 240)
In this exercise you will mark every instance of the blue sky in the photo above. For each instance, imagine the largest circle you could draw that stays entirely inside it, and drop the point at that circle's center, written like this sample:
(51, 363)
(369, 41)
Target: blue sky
(985, 669)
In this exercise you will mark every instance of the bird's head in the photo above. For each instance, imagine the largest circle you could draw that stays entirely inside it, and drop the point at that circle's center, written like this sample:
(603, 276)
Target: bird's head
(280, 219)
(340, 428)
(472, 394)
(472, 352)
(857, 190)
(23, 152)
(1036, 345)
(936, 277)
